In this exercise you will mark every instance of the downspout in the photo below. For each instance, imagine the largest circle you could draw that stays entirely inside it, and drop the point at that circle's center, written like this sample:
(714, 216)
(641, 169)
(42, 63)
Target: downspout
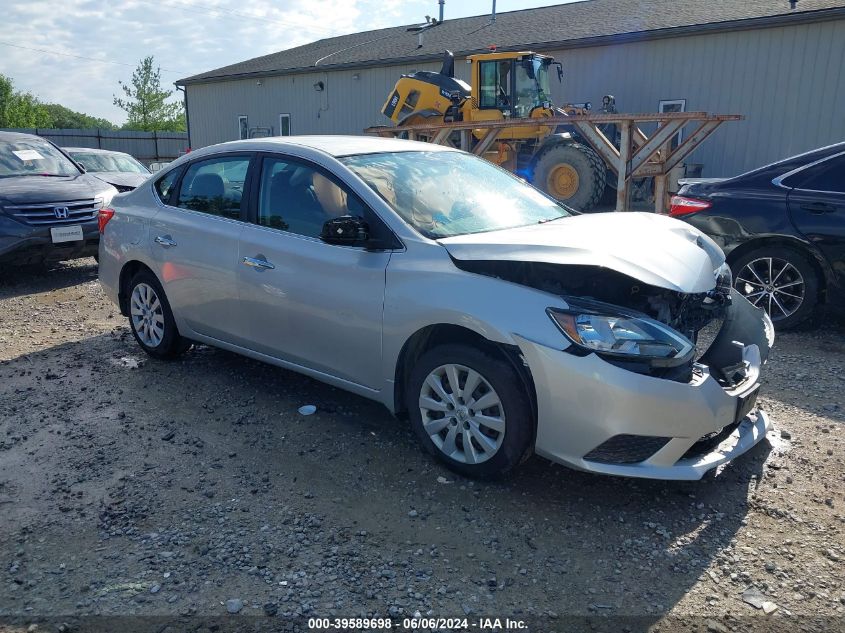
(184, 90)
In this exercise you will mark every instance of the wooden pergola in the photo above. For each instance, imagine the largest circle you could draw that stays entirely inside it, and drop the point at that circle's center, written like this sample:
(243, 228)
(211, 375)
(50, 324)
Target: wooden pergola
(638, 155)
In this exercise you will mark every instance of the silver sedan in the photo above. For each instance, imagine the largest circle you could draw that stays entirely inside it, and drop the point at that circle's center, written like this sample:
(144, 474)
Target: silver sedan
(498, 321)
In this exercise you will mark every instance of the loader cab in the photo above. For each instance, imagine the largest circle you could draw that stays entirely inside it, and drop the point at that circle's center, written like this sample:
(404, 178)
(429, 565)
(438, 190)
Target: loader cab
(512, 83)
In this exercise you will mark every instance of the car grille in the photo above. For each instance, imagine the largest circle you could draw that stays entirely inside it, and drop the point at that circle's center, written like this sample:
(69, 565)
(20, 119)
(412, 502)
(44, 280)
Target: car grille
(44, 213)
(627, 449)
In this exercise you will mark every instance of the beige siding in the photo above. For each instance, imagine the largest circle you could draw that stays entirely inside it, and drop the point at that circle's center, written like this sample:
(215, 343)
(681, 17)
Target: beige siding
(789, 82)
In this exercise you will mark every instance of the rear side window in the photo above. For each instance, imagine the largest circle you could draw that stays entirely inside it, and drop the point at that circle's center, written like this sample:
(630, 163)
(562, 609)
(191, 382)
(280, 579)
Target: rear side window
(164, 185)
(826, 176)
(215, 186)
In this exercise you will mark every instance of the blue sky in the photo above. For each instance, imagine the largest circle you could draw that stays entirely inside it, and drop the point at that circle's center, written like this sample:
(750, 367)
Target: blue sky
(74, 52)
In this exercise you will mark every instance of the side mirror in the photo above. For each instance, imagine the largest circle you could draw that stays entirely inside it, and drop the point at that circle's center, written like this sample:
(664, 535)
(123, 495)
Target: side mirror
(346, 229)
(82, 167)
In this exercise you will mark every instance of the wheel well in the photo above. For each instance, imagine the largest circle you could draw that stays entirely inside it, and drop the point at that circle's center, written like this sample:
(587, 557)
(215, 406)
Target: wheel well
(433, 335)
(129, 270)
(770, 242)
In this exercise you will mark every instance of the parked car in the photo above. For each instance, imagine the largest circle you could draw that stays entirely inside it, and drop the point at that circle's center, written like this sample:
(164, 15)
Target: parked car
(48, 206)
(158, 166)
(782, 227)
(446, 288)
(116, 168)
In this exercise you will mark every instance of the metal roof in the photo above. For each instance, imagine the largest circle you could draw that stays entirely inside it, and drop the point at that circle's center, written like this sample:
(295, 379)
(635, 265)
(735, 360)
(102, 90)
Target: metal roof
(560, 26)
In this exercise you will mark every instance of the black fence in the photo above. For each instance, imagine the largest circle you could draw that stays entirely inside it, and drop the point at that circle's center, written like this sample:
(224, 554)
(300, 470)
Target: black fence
(147, 147)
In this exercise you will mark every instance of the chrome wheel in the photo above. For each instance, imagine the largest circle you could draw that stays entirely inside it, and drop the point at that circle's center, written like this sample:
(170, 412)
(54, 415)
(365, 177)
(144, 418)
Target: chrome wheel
(147, 315)
(462, 414)
(772, 284)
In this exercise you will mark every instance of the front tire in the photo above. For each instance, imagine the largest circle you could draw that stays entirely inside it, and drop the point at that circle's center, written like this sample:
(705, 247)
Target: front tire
(470, 410)
(573, 174)
(151, 318)
(781, 281)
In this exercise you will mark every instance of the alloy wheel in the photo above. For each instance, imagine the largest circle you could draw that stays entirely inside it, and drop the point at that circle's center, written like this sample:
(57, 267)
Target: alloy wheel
(147, 315)
(462, 414)
(773, 284)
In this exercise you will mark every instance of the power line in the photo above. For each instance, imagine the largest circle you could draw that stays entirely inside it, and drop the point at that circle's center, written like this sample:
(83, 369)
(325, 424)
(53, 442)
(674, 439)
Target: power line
(205, 9)
(91, 59)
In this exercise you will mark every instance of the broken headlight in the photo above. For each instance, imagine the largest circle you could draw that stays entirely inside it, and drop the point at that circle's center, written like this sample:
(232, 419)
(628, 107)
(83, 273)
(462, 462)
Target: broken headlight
(622, 336)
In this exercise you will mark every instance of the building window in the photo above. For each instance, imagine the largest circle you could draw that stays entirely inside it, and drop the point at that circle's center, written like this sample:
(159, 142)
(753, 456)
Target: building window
(284, 125)
(243, 128)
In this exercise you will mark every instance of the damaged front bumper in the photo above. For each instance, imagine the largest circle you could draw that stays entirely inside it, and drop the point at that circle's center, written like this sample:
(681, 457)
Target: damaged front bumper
(595, 416)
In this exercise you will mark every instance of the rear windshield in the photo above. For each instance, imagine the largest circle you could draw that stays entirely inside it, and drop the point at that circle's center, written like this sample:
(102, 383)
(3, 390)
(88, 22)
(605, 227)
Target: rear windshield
(33, 157)
(93, 161)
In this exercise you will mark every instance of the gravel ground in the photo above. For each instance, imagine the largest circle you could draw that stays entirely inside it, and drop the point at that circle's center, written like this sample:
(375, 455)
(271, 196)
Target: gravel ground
(195, 488)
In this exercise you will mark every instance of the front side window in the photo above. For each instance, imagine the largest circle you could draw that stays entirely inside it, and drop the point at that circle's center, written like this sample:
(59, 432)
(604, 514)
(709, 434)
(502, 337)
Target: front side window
(33, 156)
(442, 194)
(164, 185)
(215, 186)
(298, 198)
(826, 176)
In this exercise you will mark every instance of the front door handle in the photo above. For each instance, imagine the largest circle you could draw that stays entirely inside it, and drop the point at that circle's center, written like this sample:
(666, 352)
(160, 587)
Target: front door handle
(818, 207)
(165, 241)
(261, 264)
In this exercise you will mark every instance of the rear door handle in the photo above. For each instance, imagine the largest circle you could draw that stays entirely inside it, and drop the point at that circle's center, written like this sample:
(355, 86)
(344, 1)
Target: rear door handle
(818, 207)
(165, 241)
(254, 262)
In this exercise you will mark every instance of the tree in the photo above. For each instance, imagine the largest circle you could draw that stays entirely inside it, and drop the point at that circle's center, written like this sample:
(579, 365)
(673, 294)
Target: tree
(66, 118)
(20, 109)
(145, 102)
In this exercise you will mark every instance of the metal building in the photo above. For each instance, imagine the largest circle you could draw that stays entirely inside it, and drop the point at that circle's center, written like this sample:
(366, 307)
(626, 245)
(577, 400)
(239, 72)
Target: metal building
(777, 62)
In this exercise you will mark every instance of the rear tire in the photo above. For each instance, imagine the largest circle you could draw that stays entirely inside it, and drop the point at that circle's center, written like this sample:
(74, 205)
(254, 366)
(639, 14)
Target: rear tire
(151, 318)
(793, 296)
(484, 442)
(573, 174)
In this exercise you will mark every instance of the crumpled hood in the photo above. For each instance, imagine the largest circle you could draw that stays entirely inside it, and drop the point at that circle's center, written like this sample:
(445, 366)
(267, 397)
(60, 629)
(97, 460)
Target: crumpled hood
(654, 249)
(121, 178)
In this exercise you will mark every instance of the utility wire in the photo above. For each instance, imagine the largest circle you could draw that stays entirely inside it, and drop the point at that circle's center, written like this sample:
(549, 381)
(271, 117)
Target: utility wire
(91, 59)
(207, 9)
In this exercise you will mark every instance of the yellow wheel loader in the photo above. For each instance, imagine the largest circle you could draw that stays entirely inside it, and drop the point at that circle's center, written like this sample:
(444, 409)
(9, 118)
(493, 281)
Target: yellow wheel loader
(508, 86)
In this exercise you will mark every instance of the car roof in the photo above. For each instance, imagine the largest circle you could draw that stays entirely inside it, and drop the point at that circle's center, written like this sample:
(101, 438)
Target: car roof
(333, 145)
(94, 150)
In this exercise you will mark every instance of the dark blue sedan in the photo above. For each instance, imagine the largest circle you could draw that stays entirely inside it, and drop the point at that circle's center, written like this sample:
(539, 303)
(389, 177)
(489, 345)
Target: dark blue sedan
(782, 228)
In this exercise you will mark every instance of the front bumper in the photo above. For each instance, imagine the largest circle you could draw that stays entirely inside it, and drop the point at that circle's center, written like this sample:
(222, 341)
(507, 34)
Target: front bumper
(585, 403)
(21, 244)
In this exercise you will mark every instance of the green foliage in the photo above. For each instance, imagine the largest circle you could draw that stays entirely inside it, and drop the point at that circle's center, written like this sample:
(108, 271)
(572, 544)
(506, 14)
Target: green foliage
(20, 109)
(66, 118)
(145, 102)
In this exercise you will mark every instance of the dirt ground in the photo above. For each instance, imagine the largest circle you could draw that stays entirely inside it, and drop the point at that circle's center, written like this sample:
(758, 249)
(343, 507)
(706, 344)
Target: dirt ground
(185, 491)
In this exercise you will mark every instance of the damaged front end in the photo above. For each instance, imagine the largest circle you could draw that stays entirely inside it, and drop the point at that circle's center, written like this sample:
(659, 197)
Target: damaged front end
(672, 330)
(654, 382)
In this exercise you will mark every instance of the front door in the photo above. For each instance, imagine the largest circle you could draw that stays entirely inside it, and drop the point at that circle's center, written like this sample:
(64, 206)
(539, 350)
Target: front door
(195, 245)
(817, 207)
(314, 304)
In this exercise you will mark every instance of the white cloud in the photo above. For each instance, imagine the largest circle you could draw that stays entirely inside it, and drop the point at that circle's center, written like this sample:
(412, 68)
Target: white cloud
(185, 36)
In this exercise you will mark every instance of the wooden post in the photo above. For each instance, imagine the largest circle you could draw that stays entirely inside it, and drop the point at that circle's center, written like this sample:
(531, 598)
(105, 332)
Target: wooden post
(622, 167)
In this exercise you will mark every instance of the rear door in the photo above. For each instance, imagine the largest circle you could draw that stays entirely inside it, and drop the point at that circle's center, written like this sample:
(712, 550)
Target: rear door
(194, 241)
(817, 207)
(311, 303)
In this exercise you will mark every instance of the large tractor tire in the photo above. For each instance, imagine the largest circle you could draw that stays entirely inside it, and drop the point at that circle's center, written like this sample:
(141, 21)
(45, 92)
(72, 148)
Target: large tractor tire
(571, 173)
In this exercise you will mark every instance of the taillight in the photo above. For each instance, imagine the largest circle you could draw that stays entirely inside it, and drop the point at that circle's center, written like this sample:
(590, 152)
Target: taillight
(103, 218)
(681, 205)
